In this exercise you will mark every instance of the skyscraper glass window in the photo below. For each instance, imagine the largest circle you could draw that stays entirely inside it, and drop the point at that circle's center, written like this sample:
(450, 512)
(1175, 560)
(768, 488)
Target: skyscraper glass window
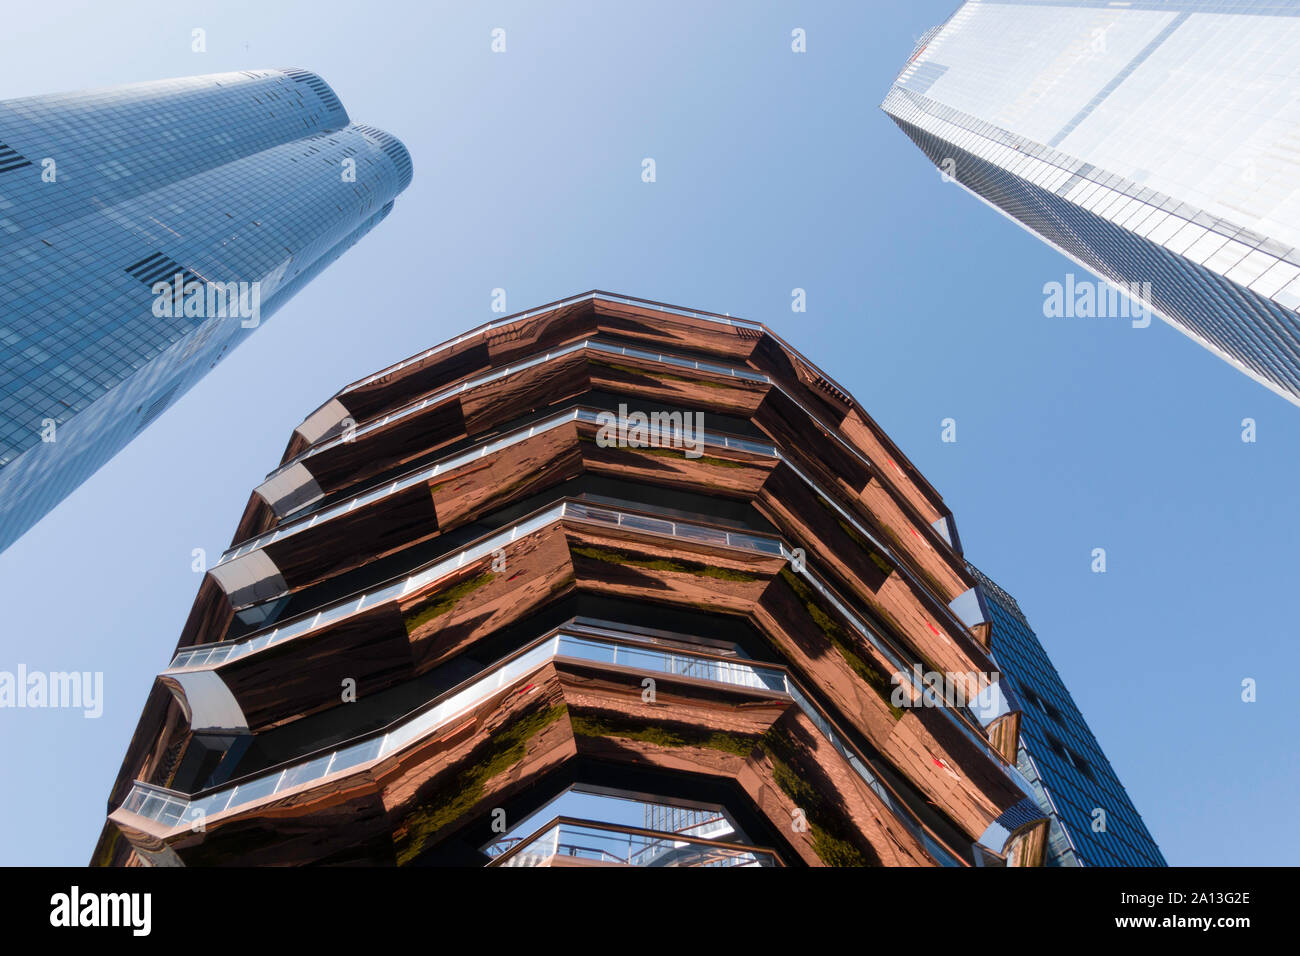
(1094, 823)
(145, 231)
(1153, 143)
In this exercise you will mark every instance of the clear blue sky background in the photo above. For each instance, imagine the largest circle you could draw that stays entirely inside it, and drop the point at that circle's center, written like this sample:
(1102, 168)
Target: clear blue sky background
(775, 171)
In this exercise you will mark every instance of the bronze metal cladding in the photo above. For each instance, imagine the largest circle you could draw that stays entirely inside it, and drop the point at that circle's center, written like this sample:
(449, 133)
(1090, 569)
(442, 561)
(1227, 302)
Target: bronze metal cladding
(609, 547)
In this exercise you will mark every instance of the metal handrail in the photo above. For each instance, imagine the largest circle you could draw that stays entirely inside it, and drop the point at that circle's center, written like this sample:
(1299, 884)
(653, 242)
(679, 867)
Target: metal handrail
(601, 635)
(658, 835)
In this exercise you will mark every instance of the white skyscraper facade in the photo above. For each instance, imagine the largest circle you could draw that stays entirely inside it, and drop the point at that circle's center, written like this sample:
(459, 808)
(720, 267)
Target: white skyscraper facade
(1151, 142)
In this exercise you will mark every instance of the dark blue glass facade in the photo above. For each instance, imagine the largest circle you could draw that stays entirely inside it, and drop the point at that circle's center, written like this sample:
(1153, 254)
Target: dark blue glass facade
(256, 177)
(1059, 756)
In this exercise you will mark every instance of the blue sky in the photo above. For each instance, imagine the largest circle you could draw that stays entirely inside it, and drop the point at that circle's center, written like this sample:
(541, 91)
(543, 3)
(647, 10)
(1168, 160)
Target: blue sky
(775, 171)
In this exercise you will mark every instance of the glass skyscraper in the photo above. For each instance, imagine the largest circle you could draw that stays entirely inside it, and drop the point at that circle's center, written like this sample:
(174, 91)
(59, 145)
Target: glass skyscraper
(1058, 755)
(1151, 142)
(145, 231)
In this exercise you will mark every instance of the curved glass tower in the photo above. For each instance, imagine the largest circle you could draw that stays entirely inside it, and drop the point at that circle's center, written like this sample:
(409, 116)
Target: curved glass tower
(145, 231)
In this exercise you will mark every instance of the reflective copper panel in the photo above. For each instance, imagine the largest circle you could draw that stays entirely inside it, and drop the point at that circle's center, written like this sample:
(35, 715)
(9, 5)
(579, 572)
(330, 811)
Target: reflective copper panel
(607, 583)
